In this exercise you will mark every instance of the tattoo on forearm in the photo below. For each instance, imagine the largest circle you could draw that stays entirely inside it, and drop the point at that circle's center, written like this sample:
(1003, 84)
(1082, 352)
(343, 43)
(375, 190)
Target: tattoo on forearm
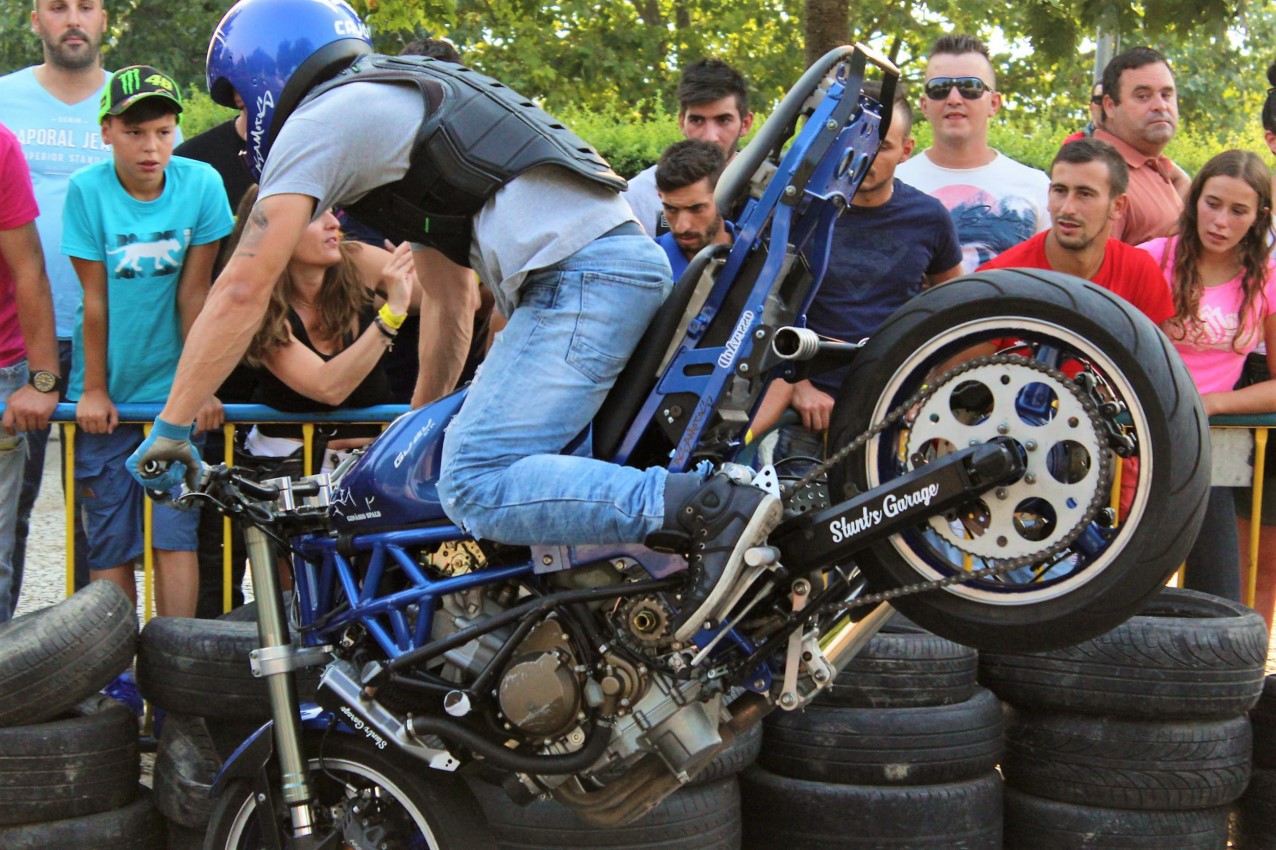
(253, 231)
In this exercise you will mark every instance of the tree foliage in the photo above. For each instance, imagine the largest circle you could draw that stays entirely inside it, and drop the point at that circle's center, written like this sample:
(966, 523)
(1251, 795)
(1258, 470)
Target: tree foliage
(627, 54)
(623, 57)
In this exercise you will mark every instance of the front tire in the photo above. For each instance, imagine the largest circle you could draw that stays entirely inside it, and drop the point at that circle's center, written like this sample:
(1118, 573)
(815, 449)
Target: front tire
(1106, 574)
(403, 803)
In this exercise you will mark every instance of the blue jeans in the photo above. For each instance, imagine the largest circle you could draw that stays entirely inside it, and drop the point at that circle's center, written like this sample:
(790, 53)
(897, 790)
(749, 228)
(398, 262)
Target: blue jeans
(803, 448)
(503, 477)
(1214, 564)
(13, 455)
(37, 441)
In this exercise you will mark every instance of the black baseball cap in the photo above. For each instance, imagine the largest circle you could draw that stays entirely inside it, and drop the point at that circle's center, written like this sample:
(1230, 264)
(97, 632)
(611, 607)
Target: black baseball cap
(130, 85)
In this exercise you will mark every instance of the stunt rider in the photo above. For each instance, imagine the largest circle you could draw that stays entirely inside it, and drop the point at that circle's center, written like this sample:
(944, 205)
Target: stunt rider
(442, 156)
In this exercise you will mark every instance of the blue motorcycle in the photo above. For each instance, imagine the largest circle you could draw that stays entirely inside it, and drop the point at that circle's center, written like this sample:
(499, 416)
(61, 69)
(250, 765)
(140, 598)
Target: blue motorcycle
(1018, 460)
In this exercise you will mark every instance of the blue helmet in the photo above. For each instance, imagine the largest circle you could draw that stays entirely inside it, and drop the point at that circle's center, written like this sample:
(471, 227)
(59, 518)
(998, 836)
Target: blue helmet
(271, 52)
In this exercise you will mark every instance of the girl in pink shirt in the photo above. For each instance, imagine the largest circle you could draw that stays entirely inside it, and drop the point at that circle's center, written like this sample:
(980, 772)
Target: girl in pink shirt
(1220, 275)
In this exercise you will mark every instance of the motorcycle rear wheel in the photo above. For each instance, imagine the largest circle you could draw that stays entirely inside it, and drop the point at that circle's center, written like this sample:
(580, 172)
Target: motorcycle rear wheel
(1106, 575)
(399, 804)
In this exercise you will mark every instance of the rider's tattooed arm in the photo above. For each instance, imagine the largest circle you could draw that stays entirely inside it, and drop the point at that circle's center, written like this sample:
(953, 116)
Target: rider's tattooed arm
(220, 335)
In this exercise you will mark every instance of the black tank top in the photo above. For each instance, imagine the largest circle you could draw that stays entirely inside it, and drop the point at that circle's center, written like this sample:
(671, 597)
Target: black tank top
(372, 390)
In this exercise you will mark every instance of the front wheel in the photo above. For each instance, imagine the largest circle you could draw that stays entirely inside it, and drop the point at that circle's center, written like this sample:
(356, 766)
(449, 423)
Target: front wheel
(366, 798)
(1075, 371)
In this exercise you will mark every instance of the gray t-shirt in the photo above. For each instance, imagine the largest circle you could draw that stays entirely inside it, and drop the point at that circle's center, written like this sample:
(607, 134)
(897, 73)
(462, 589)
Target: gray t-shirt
(537, 219)
(644, 200)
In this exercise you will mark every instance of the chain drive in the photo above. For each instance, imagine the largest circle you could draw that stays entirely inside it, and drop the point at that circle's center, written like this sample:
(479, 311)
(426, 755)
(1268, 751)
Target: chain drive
(999, 566)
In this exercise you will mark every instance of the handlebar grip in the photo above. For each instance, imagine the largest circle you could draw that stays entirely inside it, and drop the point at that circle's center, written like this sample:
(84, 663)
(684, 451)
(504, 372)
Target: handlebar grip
(154, 468)
(877, 59)
(260, 492)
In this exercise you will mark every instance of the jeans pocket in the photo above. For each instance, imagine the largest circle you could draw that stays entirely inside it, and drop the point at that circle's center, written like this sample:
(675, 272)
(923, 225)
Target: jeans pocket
(614, 313)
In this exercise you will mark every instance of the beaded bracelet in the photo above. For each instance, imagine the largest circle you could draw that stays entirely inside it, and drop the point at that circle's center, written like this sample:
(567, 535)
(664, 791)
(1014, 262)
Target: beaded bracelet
(385, 332)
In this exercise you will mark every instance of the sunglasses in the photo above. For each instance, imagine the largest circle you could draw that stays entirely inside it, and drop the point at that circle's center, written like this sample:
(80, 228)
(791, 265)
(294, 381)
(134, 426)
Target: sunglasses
(970, 88)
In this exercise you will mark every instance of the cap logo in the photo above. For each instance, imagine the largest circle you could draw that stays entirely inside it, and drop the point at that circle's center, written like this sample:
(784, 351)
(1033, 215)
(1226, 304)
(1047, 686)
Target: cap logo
(158, 80)
(131, 81)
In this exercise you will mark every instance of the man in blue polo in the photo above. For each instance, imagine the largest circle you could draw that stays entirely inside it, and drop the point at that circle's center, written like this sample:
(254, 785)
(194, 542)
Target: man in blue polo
(686, 176)
(888, 245)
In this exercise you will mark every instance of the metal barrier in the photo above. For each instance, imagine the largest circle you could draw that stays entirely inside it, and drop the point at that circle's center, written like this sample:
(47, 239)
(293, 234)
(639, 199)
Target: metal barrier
(236, 414)
(1260, 424)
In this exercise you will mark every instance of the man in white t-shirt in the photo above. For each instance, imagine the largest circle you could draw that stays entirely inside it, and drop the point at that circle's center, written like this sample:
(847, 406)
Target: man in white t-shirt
(713, 106)
(995, 201)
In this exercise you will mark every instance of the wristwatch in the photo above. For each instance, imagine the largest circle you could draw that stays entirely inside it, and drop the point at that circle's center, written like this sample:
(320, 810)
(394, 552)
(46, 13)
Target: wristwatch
(45, 381)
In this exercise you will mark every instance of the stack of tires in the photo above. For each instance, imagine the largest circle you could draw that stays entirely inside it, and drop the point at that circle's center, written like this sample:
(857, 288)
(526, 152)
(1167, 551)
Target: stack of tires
(1256, 811)
(900, 753)
(703, 815)
(1138, 738)
(69, 763)
(199, 673)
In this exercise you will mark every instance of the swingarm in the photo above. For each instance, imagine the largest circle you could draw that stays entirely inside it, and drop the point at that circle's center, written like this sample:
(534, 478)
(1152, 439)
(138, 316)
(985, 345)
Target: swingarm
(817, 540)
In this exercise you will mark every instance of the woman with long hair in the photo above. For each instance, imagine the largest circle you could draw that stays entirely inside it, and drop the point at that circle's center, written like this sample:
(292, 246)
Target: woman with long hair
(1221, 278)
(332, 316)
(1256, 370)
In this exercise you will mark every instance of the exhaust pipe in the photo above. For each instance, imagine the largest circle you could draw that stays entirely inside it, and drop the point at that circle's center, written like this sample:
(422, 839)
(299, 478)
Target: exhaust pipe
(790, 343)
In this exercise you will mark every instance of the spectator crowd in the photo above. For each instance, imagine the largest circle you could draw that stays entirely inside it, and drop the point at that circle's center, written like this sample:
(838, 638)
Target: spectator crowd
(114, 230)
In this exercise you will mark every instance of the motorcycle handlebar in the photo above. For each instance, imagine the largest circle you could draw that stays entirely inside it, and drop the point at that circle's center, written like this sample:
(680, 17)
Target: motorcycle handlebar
(772, 135)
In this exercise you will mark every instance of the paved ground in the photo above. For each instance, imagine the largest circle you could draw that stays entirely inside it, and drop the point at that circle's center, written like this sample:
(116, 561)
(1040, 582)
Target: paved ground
(45, 580)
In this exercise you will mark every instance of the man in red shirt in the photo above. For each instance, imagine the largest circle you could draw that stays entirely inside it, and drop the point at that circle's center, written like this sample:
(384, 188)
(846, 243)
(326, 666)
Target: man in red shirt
(1088, 181)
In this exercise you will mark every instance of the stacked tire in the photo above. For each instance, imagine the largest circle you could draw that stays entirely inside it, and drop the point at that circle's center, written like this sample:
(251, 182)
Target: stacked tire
(199, 673)
(1256, 810)
(1137, 738)
(70, 767)
(703, 815)
(900, 753)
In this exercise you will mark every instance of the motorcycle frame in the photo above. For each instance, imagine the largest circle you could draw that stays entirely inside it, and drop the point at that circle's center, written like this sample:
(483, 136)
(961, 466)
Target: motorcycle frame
(792, 221)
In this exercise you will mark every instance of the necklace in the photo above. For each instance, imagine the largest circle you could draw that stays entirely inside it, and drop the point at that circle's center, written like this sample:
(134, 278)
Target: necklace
(299, 303)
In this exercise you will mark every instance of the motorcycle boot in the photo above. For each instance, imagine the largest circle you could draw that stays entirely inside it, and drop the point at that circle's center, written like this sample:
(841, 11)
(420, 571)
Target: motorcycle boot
(719, 521)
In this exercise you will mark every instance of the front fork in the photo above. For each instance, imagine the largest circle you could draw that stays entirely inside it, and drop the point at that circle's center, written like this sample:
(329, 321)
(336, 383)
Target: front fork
(273, 662)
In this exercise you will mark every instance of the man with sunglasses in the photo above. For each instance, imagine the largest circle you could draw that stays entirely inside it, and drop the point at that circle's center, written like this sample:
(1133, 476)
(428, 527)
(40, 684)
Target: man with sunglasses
(995, 201)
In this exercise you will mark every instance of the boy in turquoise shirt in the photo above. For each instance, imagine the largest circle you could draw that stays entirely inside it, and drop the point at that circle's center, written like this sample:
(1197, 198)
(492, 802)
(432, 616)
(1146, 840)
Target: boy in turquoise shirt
(142, 230)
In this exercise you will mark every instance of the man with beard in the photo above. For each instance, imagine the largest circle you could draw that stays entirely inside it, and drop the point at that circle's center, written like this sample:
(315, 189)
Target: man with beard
(53, 110)
(713, 106)
(686, 176)
(1088, 182)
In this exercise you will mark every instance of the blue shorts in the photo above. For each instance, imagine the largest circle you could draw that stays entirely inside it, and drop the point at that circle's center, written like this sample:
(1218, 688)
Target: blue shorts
(111, 502)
